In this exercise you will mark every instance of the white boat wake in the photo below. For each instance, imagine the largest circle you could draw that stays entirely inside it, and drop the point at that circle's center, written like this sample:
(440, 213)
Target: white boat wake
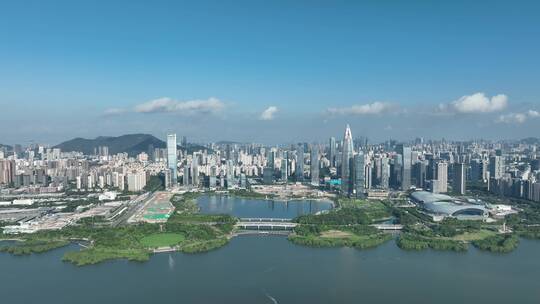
(171, 262)
(271, 298)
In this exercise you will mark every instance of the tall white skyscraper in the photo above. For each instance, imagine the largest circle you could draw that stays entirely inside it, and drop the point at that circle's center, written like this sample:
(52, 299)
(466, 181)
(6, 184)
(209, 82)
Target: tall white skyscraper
(171, 157)
(346, 159)
(442, 177)
(285, 167)
(496, 167)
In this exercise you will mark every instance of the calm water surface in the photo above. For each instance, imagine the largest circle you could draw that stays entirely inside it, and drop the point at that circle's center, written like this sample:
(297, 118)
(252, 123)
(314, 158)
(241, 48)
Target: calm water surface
(269, 269)
(255, 269)
(241, 207)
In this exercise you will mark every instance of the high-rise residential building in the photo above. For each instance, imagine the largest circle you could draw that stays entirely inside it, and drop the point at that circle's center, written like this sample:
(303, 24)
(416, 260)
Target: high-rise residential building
(167, 176)
(135, 180)
(314, 165)
(485, 170)
(299, 171)
(7, 171)
(405, 153)
(332, 152)
(359, 175)
(442, 177)
(150, 152)
(496, 167)
(103, 151)
(458, 180)
(346, 159)
(171, 157)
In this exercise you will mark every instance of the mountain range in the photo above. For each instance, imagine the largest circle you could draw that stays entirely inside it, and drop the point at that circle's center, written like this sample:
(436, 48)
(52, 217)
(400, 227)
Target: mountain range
(133, 144)
(6, 147)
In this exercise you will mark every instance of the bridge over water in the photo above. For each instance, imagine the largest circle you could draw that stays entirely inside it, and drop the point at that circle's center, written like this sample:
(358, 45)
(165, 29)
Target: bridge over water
(266, 224)
(288, 224)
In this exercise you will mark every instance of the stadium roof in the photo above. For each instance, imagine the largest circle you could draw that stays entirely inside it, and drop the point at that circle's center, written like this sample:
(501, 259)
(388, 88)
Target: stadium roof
(446, 205)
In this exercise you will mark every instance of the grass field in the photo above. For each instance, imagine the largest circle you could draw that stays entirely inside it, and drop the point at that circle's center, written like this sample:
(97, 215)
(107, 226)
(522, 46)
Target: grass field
(162, 240)
(474, 236)
(374, 209)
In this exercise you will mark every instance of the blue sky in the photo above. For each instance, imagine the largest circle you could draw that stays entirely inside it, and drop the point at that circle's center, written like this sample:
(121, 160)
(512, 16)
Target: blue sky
(392, 69)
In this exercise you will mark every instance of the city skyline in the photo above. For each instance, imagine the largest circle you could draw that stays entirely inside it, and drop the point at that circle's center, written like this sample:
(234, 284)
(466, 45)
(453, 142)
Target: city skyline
(457, 70)
(252, 151)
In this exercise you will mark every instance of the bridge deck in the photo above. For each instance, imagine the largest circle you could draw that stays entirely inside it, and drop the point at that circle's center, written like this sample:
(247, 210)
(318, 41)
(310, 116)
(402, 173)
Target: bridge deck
(262, 219)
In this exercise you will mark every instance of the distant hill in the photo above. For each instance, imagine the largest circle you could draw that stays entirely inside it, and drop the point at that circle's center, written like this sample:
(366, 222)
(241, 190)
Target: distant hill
(227, 142)
(133, 144)
(530, 140)
(7, 147)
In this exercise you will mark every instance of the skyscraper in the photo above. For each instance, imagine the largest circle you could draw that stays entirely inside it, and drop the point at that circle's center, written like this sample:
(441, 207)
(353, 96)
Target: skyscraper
(299, 172)
(171, 157)
(476, 170)
(385, 173)
(7, 171)
(405, 153)
(459, 178)
(185, 179)
(230, 174)
(332, 152)
(419, 169)
(213, 177)
(271, 159)
(496, 167)
(195, 171)
(442, 177)
(346, 159)
(285, 167)
(314, 165)
(359, 175)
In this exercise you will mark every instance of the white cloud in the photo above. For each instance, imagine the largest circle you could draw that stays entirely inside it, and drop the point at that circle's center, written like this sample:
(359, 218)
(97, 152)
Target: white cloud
(376, 107)
(517, 118)
(269, 113)
(533, 113)
(476, 103)
(114, 111)
(169, 105)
